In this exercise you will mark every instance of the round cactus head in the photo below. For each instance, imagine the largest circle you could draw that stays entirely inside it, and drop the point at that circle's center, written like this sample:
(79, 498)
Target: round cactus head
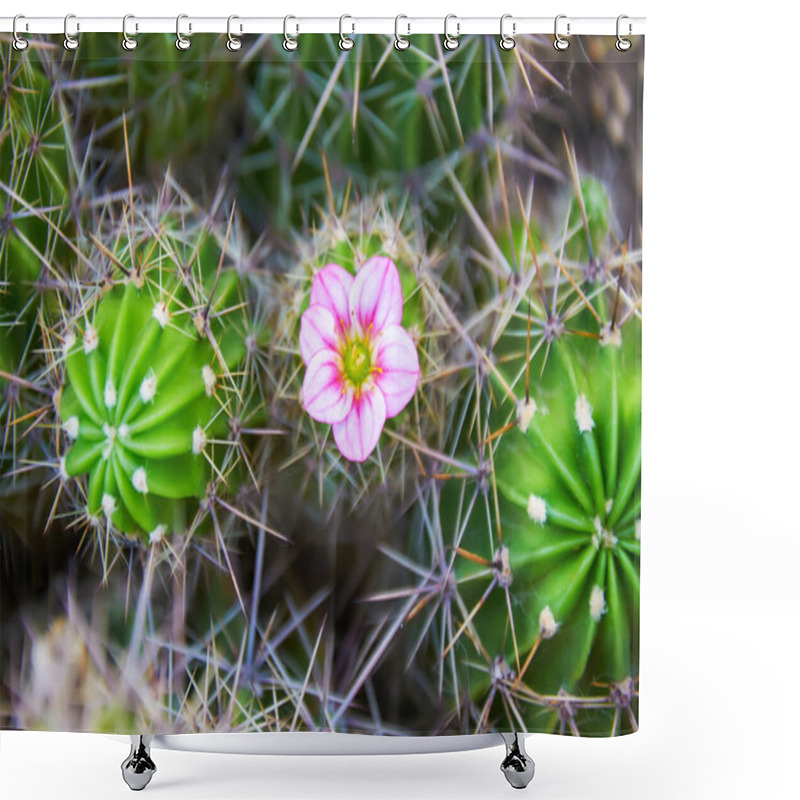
(560, 611)
(569, 486)
(148, 381)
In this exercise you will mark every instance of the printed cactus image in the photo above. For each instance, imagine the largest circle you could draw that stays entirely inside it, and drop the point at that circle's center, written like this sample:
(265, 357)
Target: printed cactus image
(321, 386)
(361, 365)
(143, 402)
(568, 478)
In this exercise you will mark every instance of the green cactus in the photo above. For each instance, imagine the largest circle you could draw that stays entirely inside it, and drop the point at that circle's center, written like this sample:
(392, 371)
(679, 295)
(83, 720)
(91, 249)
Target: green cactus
(480, 571)
(34, 171)
(562, 609)
(384, 120)
(576, 474)
(148, 381)
(159, 89)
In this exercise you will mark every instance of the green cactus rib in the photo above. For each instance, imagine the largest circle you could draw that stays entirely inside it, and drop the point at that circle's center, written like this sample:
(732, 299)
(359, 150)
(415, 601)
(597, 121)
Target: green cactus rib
(569, 493)
(143, 401)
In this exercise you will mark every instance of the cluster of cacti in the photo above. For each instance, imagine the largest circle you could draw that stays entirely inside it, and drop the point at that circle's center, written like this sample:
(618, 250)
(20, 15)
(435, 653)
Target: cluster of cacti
(37, 222)
(334, 385)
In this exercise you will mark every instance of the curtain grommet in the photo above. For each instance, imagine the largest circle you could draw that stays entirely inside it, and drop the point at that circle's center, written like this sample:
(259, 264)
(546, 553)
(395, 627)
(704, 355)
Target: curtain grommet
(451, 42)
(18, 42)
(623, 45)
(507, 42)
(234, 43)
(181, 41)
(559, 42)
(289, 42)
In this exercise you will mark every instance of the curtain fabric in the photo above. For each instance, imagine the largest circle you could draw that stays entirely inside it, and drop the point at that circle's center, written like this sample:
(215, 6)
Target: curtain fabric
(320, 386)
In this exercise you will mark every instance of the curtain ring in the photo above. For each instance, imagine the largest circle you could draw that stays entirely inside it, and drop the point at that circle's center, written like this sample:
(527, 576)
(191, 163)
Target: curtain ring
(70, 42)
(128, 43)
(400, 42)
(20, 44)
(623, 44)
(507, 42)
(289, 42)
(451, 42)
(345, 42)
(181, 42)
(234, 42)
(560, 43)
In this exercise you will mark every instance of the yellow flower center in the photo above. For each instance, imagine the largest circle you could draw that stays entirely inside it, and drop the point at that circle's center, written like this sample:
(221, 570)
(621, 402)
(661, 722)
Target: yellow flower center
(357, 359)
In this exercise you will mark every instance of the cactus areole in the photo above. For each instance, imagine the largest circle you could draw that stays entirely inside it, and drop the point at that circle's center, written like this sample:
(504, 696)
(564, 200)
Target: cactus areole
(141, 404)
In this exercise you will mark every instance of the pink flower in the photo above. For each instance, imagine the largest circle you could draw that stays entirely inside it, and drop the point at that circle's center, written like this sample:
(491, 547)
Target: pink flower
(361, 365)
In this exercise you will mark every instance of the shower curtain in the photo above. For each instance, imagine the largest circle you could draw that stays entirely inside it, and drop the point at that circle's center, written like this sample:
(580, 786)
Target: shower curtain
(320, 385)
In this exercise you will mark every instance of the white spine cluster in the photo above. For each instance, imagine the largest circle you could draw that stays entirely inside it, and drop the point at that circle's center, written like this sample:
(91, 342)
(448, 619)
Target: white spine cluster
(161, 314)
(69, 341)
(525, 412)
(209, 379)
(583, 414)
(199, 440)
(597, 603)
(147, 391)
(547, 623)
(72, 427)
(537, 509)
(111, 434)
(110, 394)
(109, 505)
(90, 339)
(139, 480)
(157, 534)
(602, 536)
(610, 336)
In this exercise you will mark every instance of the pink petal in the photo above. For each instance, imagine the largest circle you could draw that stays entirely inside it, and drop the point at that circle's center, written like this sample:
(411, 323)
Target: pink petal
(323, 397)
(317, 332)
(331, 288)
(376, 297)
(357, 434)
(396, 357)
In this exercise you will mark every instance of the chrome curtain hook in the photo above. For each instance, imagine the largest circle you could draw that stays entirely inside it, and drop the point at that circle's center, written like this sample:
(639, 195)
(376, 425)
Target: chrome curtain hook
(289, 42)
(181, 42)
(623, 44)
(451, 42)
(20, 44)
(128, 43)
(70, 42)
(560, 43)
(234, 42)
(345, 42)
(400, 42)
(507, 42)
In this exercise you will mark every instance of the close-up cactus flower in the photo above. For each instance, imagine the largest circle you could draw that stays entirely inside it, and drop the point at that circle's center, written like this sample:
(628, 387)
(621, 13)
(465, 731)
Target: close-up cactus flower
(362, 366)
